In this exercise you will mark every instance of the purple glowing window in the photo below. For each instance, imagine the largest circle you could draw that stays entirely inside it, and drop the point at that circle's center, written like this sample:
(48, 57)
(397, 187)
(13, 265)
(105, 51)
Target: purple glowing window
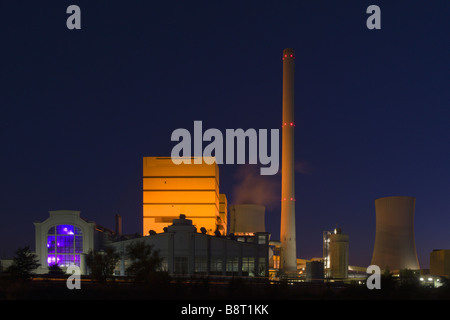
(62, 242)
(67, 229)
(63, 260)
(51, 244)
(78, 244)
(51, 260)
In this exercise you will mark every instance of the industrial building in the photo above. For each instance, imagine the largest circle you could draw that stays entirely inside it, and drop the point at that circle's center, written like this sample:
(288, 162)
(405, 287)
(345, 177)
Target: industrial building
(440, 263)
(172, 189)
(185, 251)
(223, 213)
(247, 219)
(395, 247)
(64, 238)
(314, 271)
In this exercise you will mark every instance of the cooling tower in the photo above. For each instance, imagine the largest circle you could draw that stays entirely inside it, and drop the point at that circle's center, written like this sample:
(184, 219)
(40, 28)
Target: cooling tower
(247, 218)
(395, 246)
(288, 253)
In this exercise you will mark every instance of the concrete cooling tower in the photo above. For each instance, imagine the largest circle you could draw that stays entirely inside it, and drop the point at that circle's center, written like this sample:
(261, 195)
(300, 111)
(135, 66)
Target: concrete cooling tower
(247, 218)
(395, 246)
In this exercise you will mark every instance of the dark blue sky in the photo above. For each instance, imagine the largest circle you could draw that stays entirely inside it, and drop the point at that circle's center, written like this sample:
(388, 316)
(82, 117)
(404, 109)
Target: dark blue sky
(80, 108)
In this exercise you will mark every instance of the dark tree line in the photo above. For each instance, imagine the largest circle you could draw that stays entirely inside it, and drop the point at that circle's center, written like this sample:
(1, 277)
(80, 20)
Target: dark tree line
(144, 264)
(102, 263)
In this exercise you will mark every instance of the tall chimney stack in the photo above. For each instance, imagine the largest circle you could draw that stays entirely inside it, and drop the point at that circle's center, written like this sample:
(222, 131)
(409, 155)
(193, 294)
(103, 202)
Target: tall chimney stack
(288, 254)
(118, 226)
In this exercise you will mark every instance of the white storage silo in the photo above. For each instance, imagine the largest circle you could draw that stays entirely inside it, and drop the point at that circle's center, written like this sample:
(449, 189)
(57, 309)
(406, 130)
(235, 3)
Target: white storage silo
(338, 251)
(335, 254)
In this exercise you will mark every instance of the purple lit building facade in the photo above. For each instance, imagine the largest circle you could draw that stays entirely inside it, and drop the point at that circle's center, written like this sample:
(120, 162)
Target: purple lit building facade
(64, 238)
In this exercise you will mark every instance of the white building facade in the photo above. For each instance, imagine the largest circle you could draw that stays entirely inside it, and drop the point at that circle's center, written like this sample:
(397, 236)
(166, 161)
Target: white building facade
(65, 238)
(185, 252)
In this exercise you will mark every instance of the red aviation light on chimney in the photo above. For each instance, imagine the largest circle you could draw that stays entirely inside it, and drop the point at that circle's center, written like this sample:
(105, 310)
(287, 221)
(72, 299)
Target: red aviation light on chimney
(291, 55)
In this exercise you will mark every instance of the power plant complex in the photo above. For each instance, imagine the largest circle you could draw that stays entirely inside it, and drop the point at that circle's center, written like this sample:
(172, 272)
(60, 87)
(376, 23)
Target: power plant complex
(188, 219)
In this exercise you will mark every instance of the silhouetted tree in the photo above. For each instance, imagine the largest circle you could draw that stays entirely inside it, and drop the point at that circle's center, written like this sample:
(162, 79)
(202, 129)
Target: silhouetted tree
(24, 263)
(102, 263)
(387, 282)
(408, 278)
(55, 270)
(145, 262)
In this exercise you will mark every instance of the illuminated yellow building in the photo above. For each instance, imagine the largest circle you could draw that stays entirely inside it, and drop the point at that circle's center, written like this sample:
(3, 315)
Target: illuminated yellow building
(223, 213)
(172, 189)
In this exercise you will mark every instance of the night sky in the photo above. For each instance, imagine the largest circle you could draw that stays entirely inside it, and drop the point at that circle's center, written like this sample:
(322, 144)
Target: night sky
(80, 108)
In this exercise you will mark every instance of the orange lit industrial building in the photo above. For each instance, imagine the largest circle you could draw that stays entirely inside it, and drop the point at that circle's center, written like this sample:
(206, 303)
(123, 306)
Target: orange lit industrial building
(223, 212)
(190, 189)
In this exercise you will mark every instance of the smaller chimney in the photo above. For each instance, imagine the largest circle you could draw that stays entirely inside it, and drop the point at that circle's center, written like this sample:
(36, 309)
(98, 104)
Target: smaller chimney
(118, 226)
